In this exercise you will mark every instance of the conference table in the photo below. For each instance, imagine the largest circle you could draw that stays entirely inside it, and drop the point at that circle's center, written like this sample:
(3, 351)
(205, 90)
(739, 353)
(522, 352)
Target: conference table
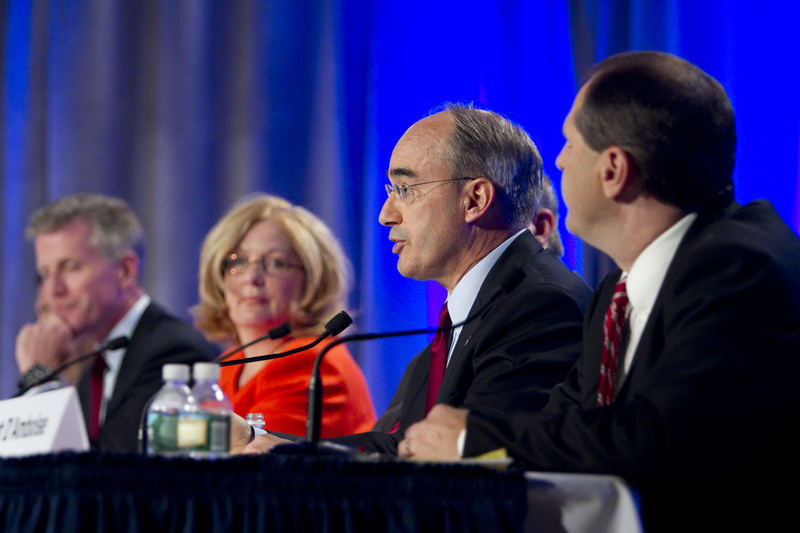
(300, 490)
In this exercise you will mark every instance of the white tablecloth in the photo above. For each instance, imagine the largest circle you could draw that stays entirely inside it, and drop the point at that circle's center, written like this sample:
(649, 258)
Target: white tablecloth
(580, 503)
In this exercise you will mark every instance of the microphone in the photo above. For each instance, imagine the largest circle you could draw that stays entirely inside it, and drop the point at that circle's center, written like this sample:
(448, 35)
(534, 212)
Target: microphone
(335, 325)
(114, 344)
(314, 418)
(338, 324)
(275, 333)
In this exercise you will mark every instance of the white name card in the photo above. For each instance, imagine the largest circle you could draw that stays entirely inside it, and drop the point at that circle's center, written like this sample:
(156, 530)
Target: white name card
(42, 423)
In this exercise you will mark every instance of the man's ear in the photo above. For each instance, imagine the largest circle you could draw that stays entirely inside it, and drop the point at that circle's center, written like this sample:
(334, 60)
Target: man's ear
(128, 269)
(542, 224)
(619, 174)
(481, 197)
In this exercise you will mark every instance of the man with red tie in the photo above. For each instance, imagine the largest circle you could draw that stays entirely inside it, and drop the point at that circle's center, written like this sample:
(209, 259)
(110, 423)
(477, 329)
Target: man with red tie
(463, 186)
(89, 249)
(687, 385)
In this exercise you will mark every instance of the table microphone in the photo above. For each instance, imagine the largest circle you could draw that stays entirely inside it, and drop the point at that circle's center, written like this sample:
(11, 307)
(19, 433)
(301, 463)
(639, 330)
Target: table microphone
(114, 344)
(335, 325)
(275, 333)
(314, 418)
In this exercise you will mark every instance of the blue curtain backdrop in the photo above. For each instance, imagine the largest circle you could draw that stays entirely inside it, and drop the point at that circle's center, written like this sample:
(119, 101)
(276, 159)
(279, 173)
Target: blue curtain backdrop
(182, 107)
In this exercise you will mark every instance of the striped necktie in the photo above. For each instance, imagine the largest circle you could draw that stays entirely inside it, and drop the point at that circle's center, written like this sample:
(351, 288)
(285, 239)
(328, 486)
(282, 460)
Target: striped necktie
(614, 330)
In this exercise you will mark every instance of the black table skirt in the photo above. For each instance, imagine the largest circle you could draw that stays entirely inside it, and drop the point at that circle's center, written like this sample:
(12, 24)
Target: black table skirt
(288, 492)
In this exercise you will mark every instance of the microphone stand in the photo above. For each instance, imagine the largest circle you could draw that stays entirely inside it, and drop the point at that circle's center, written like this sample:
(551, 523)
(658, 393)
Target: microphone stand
(314, 418)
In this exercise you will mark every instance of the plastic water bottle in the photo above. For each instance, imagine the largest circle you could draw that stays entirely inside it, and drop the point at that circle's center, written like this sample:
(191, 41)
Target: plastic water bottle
(204, 429)
(165, 409)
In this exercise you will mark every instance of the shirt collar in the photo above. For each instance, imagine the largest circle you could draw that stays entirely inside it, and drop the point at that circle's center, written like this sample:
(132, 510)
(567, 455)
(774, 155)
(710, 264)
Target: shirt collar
(460, 301)
(649, 269)
(124, 328)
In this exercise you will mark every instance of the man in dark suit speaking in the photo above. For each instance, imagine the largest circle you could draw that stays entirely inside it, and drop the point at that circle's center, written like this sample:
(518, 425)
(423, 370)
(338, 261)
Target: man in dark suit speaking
(89, 250)
(463, 186)
(687, 385)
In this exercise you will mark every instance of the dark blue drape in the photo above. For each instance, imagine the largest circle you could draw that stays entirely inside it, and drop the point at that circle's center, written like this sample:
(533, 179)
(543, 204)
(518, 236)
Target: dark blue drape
(750, 48)
(183, 107)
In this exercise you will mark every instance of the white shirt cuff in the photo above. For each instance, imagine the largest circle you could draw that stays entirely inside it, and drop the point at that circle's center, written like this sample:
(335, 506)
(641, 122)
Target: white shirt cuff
(462, 439)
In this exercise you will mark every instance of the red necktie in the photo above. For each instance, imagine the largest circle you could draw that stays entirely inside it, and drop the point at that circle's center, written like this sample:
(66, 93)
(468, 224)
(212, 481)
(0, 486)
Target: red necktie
(439, 349)
(614, 328)
(96, 396)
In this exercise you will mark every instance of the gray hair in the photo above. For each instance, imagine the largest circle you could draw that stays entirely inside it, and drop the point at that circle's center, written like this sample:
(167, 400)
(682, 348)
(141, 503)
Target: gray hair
(486, 144)
(115, 228)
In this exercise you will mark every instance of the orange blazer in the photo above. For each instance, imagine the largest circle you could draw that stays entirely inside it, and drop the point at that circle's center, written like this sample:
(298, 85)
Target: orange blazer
(280, 391)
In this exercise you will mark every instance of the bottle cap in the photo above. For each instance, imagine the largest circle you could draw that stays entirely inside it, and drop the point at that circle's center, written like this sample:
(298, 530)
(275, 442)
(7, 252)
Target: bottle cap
(175, 372)
(206, 371)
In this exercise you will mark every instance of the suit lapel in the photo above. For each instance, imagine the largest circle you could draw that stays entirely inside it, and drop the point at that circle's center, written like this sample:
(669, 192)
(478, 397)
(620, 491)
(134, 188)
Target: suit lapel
(131, 362)
(417, 389)
(83, 394)
(519, 252)
(653, 338)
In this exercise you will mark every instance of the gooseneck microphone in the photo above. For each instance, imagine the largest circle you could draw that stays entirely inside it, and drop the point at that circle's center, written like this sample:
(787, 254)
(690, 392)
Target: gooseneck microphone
(314, 418)
(275, 333)
(114, 344)
(335, 325)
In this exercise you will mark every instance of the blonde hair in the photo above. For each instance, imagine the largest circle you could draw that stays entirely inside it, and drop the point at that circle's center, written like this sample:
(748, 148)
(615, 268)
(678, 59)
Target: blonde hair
(327, 269)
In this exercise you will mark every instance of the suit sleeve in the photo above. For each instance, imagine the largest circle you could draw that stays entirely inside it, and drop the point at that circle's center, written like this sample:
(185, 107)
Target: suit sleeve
(528, 344)
(384, 436)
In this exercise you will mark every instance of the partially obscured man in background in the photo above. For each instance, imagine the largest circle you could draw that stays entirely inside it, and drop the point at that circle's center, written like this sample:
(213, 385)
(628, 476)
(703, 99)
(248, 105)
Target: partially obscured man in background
(89, 250)
(544, 224)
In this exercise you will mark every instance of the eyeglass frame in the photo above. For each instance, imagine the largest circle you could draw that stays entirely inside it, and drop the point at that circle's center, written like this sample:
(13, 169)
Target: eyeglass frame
(392, 188)
(261, 263)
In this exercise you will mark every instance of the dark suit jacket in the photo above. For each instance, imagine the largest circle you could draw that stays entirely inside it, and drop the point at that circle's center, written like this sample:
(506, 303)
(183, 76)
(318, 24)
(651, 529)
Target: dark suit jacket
(520, 347)
(158, 339)
(698, 426)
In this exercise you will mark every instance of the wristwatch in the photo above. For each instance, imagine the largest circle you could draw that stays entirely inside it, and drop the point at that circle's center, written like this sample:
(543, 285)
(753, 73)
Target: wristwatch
(35, 375)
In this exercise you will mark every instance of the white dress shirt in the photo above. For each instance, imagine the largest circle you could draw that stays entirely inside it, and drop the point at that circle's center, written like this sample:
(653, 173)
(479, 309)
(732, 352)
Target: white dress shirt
(644, 283)
(123, 328)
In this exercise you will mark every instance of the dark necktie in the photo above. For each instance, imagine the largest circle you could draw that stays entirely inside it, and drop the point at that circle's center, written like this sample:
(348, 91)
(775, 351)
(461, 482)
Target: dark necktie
(96, 396)
(439, 349)
(614, 329)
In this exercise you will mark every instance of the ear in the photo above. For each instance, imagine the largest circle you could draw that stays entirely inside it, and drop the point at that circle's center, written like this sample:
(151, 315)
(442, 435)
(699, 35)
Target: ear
(128, 269)
(480, 197)
(619, 176)
(542, 224)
